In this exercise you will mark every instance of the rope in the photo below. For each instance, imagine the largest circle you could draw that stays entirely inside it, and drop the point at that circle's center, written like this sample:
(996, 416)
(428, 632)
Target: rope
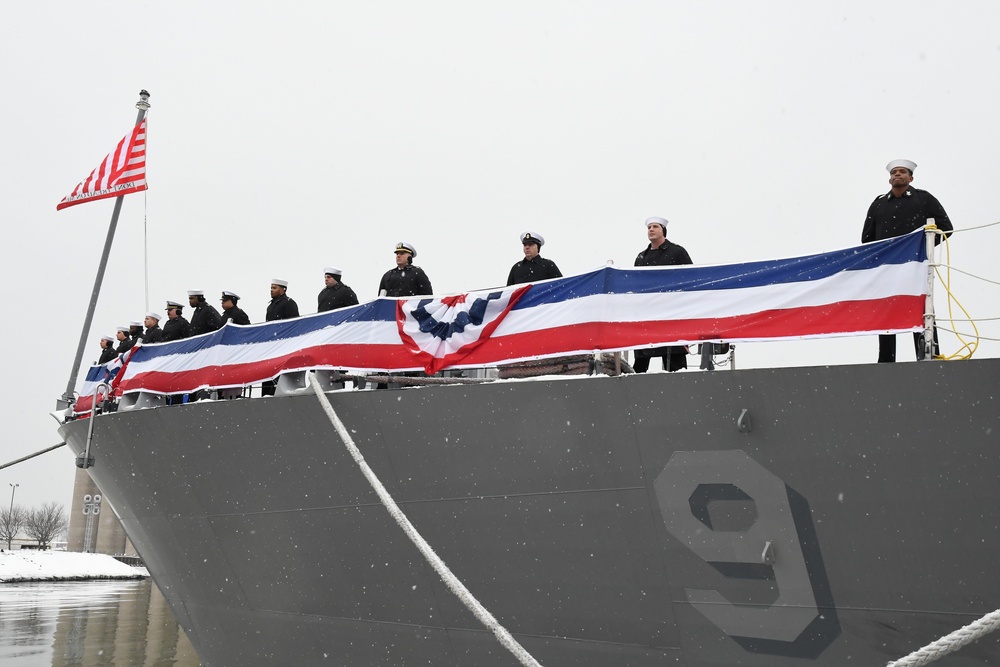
(972, 345)
(145, 227)
(971, 275)
(454, 585)
(960, 333)
(969, 229)
(951, 643)
(31, 456)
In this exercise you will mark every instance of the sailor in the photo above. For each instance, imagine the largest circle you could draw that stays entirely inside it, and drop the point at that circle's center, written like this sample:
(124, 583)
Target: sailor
(107, 350)
(176, 327)
(153, 333)
(125, 341)
(281, 306)
(135, 331)
(205, 317)
(661, 252)
(900, 211)
(406, 279)
(336, 294)
(533, 267)
(230, 311)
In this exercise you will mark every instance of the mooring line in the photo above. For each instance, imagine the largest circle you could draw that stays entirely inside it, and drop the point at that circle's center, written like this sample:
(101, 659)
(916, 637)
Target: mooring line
(951, 642)
(31, 456)
(450, 580)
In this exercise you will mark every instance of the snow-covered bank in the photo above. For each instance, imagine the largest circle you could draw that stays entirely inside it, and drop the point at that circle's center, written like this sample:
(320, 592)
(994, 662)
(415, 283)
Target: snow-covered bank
(63, 565)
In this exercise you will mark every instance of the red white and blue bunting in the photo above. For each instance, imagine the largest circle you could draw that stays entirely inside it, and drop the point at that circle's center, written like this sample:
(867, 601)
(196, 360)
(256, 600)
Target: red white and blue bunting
(874, 288)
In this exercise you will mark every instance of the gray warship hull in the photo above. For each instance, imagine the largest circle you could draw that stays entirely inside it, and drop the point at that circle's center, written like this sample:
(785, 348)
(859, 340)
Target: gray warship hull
(806, 516)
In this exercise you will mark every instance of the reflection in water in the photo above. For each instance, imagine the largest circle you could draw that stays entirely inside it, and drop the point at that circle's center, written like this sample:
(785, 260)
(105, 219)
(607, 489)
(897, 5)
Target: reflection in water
(89, 624)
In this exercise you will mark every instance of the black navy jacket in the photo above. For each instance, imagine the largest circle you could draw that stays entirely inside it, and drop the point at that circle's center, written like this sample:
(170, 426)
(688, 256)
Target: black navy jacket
(281, 308)
(107, 354)
(125, 345)
(176, 329)
(235, 315)
(666, 255)
(205, 319)
(336, 296)
(890, 216)
(153, 334)
(528, 271)
(408, 281)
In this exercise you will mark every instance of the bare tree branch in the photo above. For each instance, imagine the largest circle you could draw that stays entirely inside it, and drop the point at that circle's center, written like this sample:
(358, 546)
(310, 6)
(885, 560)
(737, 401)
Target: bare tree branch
(11, 521)
(43, 524)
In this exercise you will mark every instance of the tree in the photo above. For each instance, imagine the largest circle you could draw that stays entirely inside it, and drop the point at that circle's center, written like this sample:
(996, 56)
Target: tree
(43, 524)
(11, 521)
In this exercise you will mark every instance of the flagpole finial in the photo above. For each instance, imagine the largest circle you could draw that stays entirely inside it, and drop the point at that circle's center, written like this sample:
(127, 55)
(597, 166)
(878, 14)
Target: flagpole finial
(143, 102)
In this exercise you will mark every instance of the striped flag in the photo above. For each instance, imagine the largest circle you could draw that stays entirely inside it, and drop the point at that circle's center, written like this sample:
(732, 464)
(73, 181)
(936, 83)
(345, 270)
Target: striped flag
(875, 288)
(122, 172)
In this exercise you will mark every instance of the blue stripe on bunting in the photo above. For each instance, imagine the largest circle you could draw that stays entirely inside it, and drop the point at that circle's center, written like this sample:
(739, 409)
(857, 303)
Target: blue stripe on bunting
(900, 250)
(694, 278)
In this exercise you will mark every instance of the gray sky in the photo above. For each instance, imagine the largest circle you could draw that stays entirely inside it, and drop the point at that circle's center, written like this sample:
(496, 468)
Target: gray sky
(288, 137)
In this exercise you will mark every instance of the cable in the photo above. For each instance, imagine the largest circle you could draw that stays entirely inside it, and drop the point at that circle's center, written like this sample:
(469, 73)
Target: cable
(958, 333)
(970, 346)
(145, 231)
(971, 275)
(969, 229)
(450, 580)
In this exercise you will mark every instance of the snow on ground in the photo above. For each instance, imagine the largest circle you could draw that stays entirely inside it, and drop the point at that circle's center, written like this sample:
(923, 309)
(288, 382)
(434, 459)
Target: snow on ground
(29, 565)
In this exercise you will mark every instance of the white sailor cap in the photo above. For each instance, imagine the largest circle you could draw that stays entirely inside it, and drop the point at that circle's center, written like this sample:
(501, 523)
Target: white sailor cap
(133, 323)
(123, 329)
(174, 304)
(226, 294)
(333, 271)
(110, 339)
(532, 237)
(279, 282)
(656, 220)
(901, 163)
(156, 316)
(196, 292)
(403, 246)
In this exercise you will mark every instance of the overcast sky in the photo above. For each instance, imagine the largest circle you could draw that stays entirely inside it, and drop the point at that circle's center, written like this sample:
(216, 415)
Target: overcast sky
(287, 137)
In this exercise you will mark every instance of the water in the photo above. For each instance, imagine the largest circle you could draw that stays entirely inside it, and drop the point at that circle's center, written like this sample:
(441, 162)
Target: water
(90, 624)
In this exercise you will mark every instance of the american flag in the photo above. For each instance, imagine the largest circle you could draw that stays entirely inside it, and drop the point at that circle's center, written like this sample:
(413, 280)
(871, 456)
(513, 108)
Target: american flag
(122, 172)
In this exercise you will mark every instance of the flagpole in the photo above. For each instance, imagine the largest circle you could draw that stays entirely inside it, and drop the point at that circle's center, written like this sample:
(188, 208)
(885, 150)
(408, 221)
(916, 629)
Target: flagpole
(67, 398)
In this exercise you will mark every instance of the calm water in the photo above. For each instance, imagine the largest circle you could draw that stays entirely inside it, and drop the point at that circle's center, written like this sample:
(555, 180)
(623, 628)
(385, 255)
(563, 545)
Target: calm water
(93, 623)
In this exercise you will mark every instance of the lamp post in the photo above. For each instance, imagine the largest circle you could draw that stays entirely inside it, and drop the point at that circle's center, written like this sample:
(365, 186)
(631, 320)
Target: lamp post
(10, 512)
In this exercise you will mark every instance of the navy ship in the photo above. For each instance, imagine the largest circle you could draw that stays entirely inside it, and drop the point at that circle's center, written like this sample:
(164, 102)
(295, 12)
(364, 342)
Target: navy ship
(821, 516)
(806, 516)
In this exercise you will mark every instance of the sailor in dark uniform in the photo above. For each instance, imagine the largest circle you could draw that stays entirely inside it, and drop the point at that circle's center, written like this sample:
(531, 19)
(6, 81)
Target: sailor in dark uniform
(176, 327)
(125, 341)
(900, 211)
(135, 331)
(107, 350)
(661, 252)
(533, 267)
(205, 317)
(336, 294)
(230, 311)
(153, 333)
(406, 279)
(281, 307)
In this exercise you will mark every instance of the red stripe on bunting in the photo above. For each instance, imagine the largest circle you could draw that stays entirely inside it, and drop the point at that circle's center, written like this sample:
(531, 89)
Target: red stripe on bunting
(891, 315)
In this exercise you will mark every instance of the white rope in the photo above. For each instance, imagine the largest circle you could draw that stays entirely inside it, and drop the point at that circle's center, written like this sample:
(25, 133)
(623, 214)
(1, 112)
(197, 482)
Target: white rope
(950, 643)
(450, 580)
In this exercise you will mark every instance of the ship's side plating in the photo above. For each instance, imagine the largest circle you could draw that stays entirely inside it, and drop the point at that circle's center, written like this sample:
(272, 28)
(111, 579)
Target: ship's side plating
(850, 517)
